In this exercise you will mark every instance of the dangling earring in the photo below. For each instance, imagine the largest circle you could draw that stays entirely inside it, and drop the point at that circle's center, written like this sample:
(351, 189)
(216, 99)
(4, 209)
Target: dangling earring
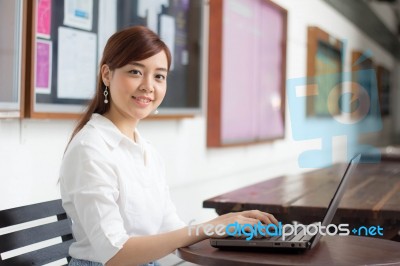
(105, 93)
(155, 111)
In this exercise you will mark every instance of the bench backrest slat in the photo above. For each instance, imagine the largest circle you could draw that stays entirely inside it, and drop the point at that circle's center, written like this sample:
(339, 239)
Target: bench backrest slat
(30, 213)
(41, 256)
(34, 235)
(27, 236)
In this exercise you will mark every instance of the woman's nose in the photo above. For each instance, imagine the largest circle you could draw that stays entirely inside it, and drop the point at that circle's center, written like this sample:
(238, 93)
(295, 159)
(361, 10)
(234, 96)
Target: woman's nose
(147, 85)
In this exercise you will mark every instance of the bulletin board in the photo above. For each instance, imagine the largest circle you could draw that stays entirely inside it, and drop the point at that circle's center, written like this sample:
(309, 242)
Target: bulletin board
(247, 65)
(324, 67)
(182, 19)
(64, 56)
(69, 36)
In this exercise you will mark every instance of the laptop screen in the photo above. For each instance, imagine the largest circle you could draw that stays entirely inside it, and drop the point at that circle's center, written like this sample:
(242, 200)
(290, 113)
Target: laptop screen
(333, 205)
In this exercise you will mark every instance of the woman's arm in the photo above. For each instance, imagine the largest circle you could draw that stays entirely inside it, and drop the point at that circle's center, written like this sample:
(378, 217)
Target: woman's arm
(143, 249)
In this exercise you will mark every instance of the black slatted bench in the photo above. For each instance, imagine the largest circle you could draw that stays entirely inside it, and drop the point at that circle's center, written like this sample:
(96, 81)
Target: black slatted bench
(19, 238)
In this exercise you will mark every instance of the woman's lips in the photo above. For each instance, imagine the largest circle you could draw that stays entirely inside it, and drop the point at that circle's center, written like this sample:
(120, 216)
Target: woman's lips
(142, 101)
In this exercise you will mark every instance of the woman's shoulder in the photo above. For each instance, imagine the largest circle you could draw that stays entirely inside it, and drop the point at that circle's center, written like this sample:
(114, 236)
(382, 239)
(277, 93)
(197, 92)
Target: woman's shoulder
(88, 138)
(87, 135)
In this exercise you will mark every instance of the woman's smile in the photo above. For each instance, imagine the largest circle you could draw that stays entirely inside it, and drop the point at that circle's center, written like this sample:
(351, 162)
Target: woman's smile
(142, 101)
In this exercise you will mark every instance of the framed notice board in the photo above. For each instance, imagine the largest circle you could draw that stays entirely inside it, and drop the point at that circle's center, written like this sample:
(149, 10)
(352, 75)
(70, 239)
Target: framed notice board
(64, 57)
(325, 67)
(68, 38)
(178, 23)
(246, 77)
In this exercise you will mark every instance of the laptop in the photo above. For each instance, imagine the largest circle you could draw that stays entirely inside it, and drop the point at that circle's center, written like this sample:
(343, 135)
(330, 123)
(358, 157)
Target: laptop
(303, 238)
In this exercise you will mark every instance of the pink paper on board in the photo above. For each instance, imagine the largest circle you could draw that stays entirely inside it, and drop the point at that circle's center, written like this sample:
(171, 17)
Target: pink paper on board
(43, 23)
(43, 67)
(251, 75)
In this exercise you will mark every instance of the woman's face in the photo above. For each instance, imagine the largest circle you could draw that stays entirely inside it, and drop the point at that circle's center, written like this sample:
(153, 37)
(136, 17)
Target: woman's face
(137, 89)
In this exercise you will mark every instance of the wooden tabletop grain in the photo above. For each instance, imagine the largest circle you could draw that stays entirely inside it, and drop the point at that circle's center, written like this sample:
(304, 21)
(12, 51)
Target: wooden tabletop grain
(331, 250)
(372, 197)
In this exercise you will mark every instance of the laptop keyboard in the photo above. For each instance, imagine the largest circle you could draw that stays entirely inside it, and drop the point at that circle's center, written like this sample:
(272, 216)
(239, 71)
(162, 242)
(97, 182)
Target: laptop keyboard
(287, 237)
(291, 236)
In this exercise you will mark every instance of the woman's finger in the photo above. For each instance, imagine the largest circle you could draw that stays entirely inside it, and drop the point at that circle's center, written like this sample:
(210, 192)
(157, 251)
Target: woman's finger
(264, 217)
(273, 219)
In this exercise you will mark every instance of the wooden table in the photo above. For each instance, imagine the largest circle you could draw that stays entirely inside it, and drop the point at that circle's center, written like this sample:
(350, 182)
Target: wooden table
(332, 250)
(372, 198)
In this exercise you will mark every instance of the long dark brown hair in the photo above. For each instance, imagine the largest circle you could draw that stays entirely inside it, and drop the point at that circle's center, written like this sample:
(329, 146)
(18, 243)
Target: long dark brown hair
(123, 47)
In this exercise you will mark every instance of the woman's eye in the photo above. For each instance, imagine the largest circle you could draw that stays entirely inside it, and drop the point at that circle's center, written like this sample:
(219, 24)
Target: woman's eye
(161, 77)
(135, 72)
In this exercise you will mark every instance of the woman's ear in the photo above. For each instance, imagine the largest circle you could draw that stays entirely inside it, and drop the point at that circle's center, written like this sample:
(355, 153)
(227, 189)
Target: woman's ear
(105, 74)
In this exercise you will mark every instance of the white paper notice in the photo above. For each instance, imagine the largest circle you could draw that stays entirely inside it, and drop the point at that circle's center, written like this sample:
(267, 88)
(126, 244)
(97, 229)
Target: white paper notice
(78, 14)
(43, 66)
(167, 33)
(76, 64)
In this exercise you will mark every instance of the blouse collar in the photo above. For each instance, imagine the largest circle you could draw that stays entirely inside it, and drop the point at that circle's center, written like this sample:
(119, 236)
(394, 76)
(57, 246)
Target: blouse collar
(110, 133)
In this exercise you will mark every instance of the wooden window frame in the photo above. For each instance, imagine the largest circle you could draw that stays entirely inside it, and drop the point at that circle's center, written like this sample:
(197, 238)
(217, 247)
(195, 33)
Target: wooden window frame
(315, 35)
(214, 96)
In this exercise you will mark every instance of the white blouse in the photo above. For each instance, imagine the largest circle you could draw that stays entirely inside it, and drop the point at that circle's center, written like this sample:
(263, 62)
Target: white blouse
(113, 188)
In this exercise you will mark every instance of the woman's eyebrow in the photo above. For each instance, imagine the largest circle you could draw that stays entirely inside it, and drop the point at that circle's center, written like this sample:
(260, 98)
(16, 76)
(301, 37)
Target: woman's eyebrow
(143, 66)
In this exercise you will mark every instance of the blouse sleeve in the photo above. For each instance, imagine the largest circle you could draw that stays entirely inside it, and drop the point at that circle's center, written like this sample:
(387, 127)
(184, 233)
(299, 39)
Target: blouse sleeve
(90, 190)
(171, 220)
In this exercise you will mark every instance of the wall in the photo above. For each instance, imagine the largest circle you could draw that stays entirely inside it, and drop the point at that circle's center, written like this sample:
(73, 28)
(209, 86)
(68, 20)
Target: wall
(387, 13)
(31, 150)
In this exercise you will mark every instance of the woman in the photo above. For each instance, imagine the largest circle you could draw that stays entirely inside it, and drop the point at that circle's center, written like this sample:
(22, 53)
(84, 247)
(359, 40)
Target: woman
(112, 180)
